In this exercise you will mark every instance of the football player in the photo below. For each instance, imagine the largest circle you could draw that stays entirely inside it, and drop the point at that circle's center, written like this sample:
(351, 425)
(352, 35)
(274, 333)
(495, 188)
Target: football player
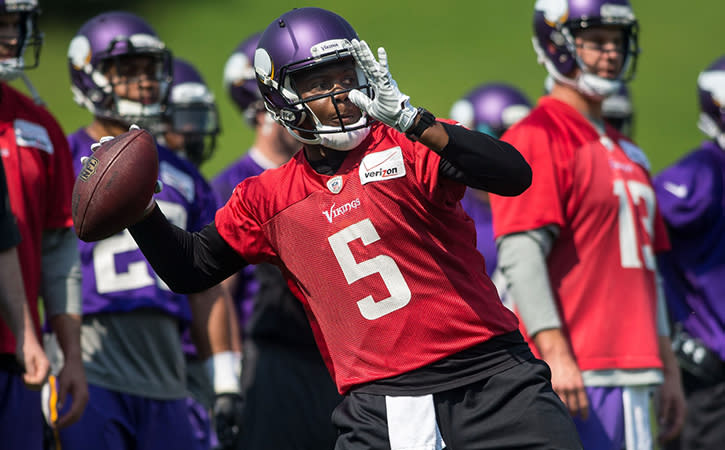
(578, 247)
(361, 224)
(190, 126)
(13, 305)
(121, 71)
(40, 181)
(690, 194)
(490, 108)
(285, 383)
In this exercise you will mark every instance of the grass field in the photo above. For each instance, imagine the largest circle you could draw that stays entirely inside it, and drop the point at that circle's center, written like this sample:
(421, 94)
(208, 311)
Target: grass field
(438, 51)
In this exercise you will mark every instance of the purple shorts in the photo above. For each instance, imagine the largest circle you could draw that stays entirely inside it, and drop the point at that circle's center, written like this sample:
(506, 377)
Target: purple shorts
(21, 421)
(116, 421)
(618, 418)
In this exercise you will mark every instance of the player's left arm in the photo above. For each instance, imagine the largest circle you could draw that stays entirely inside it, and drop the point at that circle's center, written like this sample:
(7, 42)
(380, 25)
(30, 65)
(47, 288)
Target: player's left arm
(474, 158)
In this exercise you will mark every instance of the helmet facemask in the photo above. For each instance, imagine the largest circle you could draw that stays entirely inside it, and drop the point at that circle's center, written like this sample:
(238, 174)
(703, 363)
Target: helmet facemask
(25, 53)
(198, 123)
(296, 113)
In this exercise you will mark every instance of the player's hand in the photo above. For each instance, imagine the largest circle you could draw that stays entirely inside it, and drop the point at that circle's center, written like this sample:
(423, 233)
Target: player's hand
(228, 419)
(388, 104)
(72, 386)
(671, 405)
(159, 185)
(566, 379)
(32, 356)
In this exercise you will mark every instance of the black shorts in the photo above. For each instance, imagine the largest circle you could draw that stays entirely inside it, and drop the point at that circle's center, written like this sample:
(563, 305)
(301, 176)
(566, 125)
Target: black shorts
(514, 409)
(289, 397)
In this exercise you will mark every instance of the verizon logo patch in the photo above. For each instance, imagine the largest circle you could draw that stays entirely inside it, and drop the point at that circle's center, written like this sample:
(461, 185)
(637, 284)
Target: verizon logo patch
(384, 165)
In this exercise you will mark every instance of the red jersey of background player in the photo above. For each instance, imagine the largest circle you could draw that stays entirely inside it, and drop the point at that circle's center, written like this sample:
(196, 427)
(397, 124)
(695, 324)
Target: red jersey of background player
(407, 271)
(38, 167)
(607, 218)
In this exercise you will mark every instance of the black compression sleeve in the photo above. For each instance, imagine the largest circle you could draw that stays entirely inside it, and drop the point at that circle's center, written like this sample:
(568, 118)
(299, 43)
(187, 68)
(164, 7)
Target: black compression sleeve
(187, 262)
(483, 162)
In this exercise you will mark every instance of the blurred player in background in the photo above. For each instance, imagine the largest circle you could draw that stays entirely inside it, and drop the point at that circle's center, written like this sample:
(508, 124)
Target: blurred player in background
(120, 71)
(40, 181)
(190, 127)
(360, 222)
(490, 108)
(578, 247)
(13, 302)
(691, 195)
(285, 383)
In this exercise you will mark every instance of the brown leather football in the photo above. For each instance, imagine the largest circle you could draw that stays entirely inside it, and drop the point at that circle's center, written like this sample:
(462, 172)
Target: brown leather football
(115, 185)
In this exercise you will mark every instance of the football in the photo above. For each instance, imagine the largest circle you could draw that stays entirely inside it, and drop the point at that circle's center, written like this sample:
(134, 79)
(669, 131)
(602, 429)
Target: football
(115, 185)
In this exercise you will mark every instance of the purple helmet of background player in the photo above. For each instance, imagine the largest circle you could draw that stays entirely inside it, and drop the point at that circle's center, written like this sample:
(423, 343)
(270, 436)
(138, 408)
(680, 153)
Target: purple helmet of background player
(240, 81)
(192, 112)
(103, 41)
(29, 38)
(618, 111)
(491, 108)
(555, 24)
(304, 39)
(711, 93)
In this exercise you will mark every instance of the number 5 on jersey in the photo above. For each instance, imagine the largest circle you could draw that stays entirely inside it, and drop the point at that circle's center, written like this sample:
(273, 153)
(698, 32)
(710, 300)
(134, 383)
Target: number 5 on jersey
(384, 265)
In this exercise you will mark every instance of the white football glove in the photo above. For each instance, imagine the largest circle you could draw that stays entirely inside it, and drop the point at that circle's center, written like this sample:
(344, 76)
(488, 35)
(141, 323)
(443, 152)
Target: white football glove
(389, 106)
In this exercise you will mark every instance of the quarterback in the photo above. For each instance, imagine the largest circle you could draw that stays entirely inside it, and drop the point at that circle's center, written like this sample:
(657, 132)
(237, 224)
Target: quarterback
(409, 325)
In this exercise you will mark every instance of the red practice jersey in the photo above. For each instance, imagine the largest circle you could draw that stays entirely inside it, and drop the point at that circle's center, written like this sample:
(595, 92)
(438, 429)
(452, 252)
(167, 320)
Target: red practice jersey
(597, 192)
(40, 182)
(381, 253)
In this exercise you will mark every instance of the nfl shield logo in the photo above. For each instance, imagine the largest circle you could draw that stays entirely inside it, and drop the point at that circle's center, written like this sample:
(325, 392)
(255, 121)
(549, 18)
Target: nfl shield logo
(334, 184)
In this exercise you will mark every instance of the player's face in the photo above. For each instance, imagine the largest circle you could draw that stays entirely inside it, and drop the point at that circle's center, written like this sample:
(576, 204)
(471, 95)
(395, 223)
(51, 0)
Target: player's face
(136, 78)
(9, 34)
(328, 79)
(174, 141)
(602, 50)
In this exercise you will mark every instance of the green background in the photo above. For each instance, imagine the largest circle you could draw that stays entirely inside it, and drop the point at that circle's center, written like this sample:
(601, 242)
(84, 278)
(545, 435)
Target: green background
(438, 51)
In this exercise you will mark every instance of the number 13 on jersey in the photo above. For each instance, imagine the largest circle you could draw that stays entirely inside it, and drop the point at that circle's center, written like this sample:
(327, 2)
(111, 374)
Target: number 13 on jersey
(628, 243)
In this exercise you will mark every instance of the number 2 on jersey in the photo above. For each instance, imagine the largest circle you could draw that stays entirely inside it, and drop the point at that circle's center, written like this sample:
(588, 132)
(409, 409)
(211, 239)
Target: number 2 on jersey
(384, 265)
(628, 245)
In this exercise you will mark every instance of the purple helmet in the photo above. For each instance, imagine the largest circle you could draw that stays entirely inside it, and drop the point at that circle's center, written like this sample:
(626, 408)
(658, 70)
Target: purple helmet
(304, 39)
(491, 108)
(99, 45)
(711, 93)
(240, 80)
(617, 111)
(28, 38)
(557, 21)
(192, 112)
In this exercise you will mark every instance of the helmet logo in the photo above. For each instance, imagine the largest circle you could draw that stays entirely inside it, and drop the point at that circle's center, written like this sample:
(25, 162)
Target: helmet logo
(334, 184)
(612, 12)
(333, 45)
(263, 66)
(79, 52)
(146, 41)
(238, 70)
(555, 11)
(191, 93)
(714, 83)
